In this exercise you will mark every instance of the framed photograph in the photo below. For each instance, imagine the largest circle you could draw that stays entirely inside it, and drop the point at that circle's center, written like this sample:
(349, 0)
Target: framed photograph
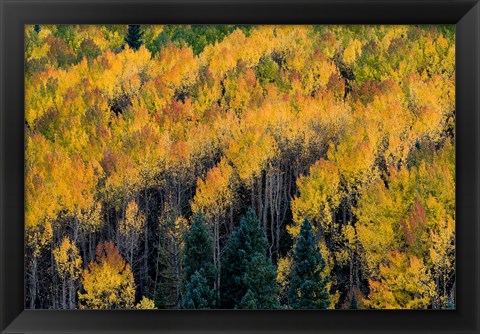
(240, 166)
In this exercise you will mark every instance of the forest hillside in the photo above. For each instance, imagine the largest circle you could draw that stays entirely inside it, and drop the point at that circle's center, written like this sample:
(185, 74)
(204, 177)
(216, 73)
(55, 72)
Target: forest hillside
(246, 167)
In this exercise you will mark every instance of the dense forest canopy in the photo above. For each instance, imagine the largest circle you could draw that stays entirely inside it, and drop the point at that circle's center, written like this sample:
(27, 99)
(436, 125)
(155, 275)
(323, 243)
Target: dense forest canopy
(247, 167)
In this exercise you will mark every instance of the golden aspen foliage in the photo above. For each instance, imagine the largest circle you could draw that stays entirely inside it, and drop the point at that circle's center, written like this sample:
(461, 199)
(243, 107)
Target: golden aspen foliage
(352, 127)
(284, 268)
(130, 229)
(327, 43)
(39, 96)
(352, 51)
(416, 201)
(119, 75)
(177, 67)
(442, 257)
(295, 44)
(405, 283)
(208, 91)
(413, 227)
(327, 274)
(379, 213)
(67, 260)
(224, 56)
(117, 186)
(40, 189)
(145, 304)
(320, 195)
(432, 102)
(133, 222)
(355, 158)
(154, 95)
(239, 91)
(317, 73)
(38, 236)
(215, 194)
(436, 55)
(41, 206)
(260, 43)
(91, 219)
(34, 49)
(107, 282)
(389, 122)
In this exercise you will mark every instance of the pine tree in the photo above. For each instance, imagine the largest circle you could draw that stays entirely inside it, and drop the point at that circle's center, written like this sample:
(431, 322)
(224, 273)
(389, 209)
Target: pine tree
(198, 266)
(248, 301)
(198, 292)
(261, 277)
(308, 289)
(353, 303)
(134, 36)
(198, 252)
(247, 268)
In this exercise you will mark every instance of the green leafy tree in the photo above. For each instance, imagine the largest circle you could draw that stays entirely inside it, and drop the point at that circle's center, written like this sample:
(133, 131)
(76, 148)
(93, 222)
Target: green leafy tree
(195, 36)
(267, 71)
(247, 268)
(308, 286)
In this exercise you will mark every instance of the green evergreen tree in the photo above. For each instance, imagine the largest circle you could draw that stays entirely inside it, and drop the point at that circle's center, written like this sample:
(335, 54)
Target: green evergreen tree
(198, 266)
(248, 301)
(353, 303)
(308, 287)
(198, 252)
(261, 277)
(134, 36)
(247, 267)
(198, 292)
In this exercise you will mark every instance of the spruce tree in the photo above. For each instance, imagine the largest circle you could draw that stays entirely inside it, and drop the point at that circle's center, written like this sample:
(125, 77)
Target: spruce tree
(353, 303)
(198, 266)
(247, 268)
(248, 301)
(199, 293)
(308, 287)
(198, 252)
(261, 278)
(134, 36)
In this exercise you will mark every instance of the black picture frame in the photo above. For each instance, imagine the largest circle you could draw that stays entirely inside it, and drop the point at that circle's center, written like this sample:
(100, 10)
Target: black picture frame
(16, 13)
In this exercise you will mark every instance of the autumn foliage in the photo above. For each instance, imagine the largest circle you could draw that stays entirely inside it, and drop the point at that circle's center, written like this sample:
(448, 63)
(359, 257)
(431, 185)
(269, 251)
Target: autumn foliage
(107, 281)
(134, 132)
